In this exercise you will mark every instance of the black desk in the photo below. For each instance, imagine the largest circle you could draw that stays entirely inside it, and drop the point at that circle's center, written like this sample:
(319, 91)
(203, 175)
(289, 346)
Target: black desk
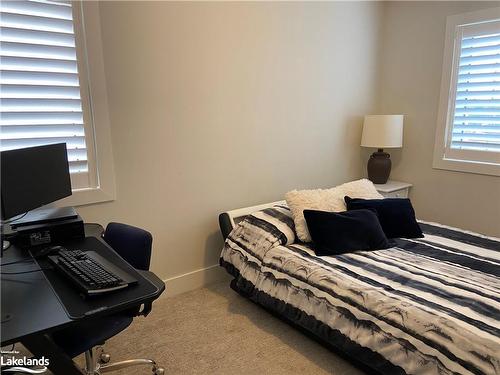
(31, 309)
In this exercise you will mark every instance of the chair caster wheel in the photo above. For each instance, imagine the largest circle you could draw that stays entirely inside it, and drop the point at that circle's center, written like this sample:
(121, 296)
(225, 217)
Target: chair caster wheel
(158, 371)
(104, 358)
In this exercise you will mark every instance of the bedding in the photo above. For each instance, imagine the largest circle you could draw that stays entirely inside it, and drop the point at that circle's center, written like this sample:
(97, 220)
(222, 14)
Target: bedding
(424, 306)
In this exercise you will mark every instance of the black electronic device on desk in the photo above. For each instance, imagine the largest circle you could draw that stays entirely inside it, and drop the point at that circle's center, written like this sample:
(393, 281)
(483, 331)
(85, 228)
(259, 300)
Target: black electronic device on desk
(30, 178)
(89, 272)
(74, 296)
(53, 232)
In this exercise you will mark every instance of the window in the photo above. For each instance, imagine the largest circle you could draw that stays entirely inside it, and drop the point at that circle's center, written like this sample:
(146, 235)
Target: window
(468, 129)
(45, 91)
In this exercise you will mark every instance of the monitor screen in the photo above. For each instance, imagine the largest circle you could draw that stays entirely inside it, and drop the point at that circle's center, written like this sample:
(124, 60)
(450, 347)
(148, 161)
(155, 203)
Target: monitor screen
(33, 177)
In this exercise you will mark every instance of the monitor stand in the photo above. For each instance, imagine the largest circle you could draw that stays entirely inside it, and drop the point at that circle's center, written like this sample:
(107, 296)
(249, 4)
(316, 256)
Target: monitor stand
(45, 215)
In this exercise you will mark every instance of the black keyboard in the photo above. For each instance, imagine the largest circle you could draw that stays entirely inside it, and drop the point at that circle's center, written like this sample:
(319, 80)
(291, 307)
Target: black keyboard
(88, 274)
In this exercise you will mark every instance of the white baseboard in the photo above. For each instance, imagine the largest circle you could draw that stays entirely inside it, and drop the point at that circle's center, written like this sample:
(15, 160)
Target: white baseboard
(195, 280)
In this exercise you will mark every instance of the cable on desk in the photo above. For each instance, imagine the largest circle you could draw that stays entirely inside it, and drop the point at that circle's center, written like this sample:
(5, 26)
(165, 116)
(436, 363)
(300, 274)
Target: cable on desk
(17, 261)
(30, 271)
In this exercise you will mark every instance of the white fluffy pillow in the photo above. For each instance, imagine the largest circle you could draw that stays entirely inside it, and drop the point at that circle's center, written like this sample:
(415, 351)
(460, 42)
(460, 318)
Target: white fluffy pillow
(326, 200)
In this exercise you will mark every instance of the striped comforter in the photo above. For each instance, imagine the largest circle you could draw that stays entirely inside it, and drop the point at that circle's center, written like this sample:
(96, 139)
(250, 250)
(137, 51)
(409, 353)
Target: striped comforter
(424, 306)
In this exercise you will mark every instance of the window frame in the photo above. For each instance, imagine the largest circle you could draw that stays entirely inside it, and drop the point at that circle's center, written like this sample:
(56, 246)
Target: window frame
(480, 162)
(87, 28)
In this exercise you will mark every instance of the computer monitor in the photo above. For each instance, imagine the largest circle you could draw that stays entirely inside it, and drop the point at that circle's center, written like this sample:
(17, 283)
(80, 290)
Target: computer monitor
(33, 177)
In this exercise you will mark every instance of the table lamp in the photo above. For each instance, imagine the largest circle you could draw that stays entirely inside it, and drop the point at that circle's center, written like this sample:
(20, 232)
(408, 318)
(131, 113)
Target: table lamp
(381, 131)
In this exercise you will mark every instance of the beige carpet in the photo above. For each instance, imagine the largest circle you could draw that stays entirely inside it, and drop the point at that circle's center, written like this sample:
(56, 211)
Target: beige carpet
(216, 331)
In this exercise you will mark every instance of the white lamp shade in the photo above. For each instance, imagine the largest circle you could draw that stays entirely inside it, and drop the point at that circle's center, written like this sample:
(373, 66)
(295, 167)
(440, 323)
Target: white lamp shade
(382, 131)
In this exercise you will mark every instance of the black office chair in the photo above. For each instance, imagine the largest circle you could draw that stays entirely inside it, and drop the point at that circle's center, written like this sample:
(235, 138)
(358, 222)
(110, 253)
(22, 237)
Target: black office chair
(134, 245)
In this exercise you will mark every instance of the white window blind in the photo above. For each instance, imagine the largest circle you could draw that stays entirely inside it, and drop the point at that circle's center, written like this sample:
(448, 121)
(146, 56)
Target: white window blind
(40, 94)
(468, 118)
(476, 123)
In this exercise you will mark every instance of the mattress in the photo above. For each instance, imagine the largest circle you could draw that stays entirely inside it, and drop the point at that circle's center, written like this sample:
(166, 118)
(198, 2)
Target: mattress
(423, 306)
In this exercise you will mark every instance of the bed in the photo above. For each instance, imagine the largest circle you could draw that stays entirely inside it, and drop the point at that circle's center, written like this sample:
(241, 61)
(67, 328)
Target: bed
(423, 306)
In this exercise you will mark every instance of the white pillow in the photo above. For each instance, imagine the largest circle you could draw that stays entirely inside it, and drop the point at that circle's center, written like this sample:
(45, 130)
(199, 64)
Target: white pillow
(326, 200)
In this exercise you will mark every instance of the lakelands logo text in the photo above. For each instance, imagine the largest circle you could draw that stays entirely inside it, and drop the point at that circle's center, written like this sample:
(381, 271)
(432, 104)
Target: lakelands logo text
(24, 364)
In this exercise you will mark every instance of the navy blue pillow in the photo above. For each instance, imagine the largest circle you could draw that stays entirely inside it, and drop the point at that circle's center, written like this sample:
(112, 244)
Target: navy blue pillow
(396, 215)
(343, 232)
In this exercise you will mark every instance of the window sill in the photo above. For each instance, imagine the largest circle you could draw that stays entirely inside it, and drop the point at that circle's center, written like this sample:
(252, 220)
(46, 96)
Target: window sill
(467, 166)
(83, 197)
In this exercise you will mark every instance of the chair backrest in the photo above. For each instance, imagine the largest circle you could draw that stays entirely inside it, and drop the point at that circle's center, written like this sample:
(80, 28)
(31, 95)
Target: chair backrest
(132, 243)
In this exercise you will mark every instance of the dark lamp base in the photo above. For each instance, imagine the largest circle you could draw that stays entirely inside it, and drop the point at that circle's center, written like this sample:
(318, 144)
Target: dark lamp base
(379, 167)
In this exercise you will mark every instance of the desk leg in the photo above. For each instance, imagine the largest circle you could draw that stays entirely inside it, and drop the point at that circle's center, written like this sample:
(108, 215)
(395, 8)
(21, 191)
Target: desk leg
(60, 363)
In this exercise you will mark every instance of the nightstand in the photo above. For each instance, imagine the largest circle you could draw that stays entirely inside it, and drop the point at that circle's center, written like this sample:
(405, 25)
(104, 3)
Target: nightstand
(394, 189)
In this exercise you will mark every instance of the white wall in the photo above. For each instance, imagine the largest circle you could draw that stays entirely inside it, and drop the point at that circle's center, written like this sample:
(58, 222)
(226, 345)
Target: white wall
(215, 106)
(410, 78)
